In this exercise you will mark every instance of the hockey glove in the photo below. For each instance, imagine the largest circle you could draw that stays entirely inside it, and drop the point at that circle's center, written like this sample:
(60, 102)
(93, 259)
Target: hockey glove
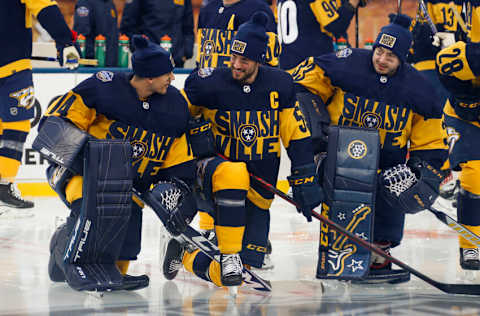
(306, 190)
(423, 48)
(174, 203)
(68, 56)
(200, 137)
(412, 187)
(318, 120)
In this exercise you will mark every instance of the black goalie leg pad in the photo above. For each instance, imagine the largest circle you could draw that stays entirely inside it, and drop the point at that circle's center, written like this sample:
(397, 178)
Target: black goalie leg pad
(95, 242)
(349, 181)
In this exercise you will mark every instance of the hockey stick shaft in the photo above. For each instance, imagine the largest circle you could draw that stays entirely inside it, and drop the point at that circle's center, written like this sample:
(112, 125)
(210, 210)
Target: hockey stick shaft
(81, 61)
(399, 6)
(469, 289)
(460, 20)
(208, 248)
(425, 13)
(459, 228)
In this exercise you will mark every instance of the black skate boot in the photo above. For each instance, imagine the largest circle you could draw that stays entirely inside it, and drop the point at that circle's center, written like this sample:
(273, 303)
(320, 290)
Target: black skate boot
(381, 269)
(231, 269)
(172, 262)
(10, 197)
(469, 259)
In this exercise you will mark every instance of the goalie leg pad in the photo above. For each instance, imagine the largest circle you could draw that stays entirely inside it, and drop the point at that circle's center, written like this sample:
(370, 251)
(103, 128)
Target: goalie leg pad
(61, 142)
(349, 181)
(96, 240)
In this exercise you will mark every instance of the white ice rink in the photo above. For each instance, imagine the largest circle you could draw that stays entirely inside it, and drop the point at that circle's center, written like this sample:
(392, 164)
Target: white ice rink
(429, 246)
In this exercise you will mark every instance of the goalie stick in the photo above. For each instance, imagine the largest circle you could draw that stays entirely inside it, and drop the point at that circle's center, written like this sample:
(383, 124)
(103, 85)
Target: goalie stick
(469, 289)
(250, 278)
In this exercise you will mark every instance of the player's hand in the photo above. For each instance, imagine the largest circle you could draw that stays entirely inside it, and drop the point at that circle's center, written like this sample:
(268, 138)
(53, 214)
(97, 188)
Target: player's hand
(443, 39)
(68, 57)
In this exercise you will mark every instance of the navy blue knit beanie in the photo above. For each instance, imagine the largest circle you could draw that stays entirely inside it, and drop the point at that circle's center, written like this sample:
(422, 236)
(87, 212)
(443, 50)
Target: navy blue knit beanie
(396, 36)
(251, 38)
(149, 60)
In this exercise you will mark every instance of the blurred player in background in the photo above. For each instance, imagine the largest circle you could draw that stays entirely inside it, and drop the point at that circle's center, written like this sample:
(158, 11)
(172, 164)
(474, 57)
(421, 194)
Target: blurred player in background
(459, 69)
(309, 28)
(16, 84)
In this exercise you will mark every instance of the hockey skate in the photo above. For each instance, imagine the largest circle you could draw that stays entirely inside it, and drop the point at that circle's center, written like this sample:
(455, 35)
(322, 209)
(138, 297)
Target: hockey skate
(469, 259)
(267, 263)
(231, 269)
(381, 269)
(12, 205)
(172, 262)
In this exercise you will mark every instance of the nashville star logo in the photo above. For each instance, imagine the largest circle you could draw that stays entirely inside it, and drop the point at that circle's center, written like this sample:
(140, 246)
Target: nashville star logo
(371, 120)
(139, 150)
(248, 134)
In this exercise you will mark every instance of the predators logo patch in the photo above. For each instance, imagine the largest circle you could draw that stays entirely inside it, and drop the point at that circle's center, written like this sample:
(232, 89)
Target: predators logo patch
(344, 53)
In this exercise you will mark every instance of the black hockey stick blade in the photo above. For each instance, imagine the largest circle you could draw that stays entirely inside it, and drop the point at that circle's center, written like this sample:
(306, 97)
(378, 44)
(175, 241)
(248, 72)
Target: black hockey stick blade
(468, 289)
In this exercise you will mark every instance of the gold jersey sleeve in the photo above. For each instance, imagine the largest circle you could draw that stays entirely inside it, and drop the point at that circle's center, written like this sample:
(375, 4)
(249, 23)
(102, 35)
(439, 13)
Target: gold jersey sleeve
(312, 77)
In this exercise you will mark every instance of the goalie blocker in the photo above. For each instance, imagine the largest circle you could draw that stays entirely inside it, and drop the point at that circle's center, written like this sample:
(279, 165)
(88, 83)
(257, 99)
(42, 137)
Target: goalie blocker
(349, 181)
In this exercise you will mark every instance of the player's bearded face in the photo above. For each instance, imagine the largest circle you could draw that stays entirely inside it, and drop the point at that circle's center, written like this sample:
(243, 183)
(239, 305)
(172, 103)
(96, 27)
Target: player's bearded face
(385, 61)
(244, 70)
(160, 84)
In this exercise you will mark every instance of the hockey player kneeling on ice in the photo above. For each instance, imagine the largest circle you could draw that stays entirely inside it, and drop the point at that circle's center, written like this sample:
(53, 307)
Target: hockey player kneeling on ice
(459, 69)
(128, 131)
(251, 108)
(371, 89)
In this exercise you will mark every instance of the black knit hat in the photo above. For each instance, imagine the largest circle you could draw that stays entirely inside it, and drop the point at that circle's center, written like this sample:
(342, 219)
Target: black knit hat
(251, 38)
(149, 60)
(396, 36)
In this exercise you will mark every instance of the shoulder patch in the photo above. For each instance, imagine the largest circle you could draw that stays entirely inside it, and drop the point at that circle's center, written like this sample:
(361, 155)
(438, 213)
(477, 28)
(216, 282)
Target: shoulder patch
(82, 11)
(104, 76)
(344, 53)
(205, 72)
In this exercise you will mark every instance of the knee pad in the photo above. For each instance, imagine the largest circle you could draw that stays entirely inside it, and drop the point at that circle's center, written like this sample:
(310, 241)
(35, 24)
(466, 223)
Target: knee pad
(230, 175)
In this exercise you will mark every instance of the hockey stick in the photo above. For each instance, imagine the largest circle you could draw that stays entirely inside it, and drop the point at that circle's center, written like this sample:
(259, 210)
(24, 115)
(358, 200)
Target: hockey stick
(356, 28)
(469, 289)
(81, 61)
(400, 178)
(399, 6)
(460, 20)
(456, 226)
(424, 10)
(250, 278)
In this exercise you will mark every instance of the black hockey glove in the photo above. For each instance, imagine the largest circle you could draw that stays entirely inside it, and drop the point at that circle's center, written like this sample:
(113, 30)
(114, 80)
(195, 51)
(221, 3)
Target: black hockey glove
(200, 137)
(306, 190)
(318, 120)
(423, 49)
(412, 187)
(174, 203)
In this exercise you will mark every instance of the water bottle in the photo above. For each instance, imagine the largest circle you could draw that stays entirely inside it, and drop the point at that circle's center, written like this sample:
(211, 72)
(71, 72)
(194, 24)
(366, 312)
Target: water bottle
(123, 51)
(81, 44)
(341, 43)
(368, 44)
(166, 42)
(100, 50)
